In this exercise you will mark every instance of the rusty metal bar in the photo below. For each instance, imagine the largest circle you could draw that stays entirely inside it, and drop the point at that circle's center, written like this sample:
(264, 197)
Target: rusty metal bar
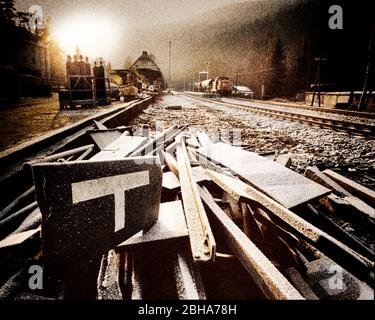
(339, 252)
(108, 285)
(136, 282)
(202, 241)
(168, 137)
(207, 164)
(171, 148)
(355, 188)
(7, 223)
(22, 198)
(189, 284)
(85, 154)
(60, 155)
(272, 283)
(156, 141)
(100, 125)
(171, 163)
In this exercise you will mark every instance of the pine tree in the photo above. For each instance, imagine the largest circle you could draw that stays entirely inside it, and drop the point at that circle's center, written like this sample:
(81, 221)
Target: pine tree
(298, 75)
(8, 12)
(277, 76)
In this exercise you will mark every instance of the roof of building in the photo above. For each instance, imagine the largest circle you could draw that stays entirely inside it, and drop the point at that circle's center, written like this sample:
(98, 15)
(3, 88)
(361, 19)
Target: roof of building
(145, 61)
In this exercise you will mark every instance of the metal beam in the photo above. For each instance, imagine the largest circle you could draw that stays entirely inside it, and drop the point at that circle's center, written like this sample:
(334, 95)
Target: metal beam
(272, 283)
(202, 241)
(339, 252)
(189, 284)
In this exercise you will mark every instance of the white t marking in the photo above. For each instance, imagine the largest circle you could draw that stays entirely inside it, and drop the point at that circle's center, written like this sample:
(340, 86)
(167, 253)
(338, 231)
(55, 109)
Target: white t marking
(116, 185)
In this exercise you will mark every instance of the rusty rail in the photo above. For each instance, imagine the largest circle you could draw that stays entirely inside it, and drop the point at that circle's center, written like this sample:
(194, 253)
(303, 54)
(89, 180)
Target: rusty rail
(202, 240)
(272, 283)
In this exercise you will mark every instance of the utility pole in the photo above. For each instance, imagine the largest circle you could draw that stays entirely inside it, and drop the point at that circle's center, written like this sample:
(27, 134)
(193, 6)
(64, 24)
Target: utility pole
(317, 81)
(236, 91)
(170, 61)
(207, 64)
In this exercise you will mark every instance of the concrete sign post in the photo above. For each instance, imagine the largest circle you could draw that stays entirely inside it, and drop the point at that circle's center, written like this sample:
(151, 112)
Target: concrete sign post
(88, 208)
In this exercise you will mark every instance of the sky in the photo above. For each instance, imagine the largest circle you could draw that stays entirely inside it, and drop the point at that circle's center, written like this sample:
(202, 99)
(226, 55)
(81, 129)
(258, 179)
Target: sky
(109, 28)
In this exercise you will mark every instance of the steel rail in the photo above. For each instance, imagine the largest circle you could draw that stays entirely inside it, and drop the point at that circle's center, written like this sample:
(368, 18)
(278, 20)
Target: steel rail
(338, 125)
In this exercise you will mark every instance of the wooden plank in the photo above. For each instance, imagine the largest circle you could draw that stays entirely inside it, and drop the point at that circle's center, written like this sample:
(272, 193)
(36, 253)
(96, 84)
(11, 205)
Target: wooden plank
(283, 185)
(202, 242)
(355, 188)
(273, 284)
(339, 252)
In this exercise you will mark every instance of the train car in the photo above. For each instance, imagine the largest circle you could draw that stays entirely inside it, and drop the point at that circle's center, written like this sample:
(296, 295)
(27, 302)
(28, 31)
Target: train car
(219, 85)
(206, 85)
(222, 86)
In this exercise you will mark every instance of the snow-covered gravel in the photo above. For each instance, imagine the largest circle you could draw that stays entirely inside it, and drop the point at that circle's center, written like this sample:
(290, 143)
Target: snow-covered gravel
(353, 156)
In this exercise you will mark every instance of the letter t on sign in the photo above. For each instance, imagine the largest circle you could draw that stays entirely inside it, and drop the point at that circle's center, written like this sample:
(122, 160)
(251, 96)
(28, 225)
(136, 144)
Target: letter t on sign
(116, 185)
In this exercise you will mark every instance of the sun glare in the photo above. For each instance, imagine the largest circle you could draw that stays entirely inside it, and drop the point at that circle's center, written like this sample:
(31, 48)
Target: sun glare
(94, 35)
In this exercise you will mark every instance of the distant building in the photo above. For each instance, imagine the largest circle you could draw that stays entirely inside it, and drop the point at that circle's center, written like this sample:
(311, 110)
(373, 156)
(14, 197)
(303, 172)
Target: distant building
(27, 54)
(340, 99)
(25, 64)
(146, 66)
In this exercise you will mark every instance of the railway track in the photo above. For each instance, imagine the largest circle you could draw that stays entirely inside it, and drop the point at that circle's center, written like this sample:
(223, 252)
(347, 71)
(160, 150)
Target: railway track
(322, 122)
(352, 113)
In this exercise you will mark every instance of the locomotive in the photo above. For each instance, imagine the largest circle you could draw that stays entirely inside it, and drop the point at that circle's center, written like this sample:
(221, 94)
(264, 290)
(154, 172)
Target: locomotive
(220, 85)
